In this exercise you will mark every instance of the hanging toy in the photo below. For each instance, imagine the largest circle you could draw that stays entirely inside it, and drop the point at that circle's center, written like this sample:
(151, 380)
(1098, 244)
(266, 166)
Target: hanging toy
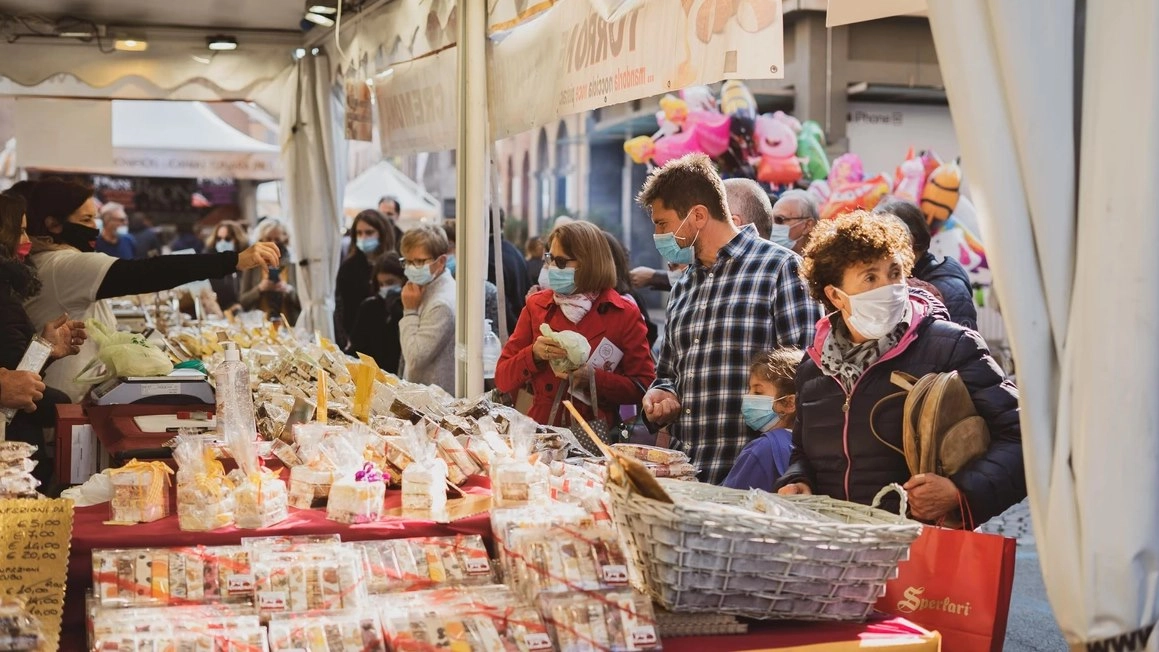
(710, 130)
(777, 152)
(811, 151)
(846, 170)
(910, 178)
(941, 192)
(737, 101)
(851, 197)
(640, 149)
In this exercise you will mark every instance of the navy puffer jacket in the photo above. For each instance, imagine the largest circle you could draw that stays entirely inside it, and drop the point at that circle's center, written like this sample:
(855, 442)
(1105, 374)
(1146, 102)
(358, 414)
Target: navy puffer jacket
(836, 454)
(953, 281)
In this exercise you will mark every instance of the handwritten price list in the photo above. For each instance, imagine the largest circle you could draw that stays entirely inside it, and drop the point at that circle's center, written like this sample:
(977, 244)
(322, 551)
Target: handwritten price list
(34, 543)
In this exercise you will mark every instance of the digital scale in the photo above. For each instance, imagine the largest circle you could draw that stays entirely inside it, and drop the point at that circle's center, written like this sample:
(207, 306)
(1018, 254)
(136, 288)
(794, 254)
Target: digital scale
(182, 387)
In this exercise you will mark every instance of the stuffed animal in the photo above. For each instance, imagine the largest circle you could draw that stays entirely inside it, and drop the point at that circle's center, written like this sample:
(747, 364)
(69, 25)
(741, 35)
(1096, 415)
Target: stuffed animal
(940, 194)
(777, 151)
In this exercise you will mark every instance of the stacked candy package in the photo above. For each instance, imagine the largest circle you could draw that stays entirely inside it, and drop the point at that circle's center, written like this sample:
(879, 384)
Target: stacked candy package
(16, 466)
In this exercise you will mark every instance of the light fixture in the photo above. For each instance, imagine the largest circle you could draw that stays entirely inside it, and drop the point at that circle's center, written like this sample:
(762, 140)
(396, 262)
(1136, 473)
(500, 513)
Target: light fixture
(205, 61)
(79, 33)
(127, 43)
(325, 7)
(319, 19)
(220, 43)
(299, 53)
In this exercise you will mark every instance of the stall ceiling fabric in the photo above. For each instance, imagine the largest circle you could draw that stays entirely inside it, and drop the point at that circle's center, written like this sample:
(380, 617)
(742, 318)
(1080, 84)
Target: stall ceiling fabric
(224, 14)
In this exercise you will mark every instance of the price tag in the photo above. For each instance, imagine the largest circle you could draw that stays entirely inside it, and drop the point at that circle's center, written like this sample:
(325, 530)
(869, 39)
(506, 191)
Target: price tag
(644, 636)
(241, 583)
(537, 641)
(478, 566)
(616, 574)
(34, 544)
(272, 600)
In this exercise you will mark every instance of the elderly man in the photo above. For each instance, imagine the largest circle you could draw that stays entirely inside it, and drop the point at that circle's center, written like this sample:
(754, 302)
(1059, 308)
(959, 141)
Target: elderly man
(740, 296)
(115, 239)
(794, 216)
(748, 203)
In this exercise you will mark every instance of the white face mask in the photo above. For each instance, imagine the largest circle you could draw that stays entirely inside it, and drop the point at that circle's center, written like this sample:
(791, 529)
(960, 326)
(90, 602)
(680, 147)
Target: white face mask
(675, 275)
(874, 313)
(780, 235)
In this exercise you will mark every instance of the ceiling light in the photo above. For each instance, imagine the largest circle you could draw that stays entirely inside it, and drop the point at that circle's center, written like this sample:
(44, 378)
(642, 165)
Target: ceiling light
(322, 7)
(75, 33)
(319, 19)
(299, 53)
(220, 43)
(130, 44)
(205, 61)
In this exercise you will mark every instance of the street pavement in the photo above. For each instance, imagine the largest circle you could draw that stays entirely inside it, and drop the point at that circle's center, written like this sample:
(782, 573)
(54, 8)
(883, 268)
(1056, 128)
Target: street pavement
(1031, 626)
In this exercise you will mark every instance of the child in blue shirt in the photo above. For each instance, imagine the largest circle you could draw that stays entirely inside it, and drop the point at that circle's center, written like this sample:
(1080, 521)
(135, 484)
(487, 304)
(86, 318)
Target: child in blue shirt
(769, 408)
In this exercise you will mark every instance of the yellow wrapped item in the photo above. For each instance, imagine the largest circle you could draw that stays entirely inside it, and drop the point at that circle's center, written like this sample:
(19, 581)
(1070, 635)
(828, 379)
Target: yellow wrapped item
(205, 498)
(140, 492)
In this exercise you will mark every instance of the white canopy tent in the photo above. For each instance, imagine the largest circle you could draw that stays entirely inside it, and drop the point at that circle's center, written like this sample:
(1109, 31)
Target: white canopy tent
(383, 178)
(1056, 105)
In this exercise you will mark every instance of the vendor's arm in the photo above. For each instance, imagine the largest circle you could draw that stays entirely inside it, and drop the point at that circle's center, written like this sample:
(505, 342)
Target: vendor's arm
(517, 364)
(126, 277)
(997, 480)
(424, 336)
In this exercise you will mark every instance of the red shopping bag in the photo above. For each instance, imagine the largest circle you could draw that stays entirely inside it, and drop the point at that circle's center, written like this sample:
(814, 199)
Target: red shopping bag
(957, 582)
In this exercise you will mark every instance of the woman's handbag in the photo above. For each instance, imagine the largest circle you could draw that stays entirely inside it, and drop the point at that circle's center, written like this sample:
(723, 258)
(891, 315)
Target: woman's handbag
(598, 425)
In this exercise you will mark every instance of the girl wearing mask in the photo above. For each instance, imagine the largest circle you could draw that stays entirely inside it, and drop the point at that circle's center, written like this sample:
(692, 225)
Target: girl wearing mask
(769, 409)
(228, 236)
(857, 266)
(62, 226)
(272, 288)
(582, 297)
(373, 240)
(375, 331)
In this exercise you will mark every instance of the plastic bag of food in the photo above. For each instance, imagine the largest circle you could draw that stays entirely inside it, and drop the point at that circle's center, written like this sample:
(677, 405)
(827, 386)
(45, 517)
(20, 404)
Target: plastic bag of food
(577, 346)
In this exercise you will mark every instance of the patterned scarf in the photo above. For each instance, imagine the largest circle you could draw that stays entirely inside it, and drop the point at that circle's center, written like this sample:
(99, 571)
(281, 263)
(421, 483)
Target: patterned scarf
(846, 361)
(575, 306)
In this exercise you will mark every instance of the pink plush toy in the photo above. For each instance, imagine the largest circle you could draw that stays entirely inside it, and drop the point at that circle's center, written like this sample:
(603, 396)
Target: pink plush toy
(777, 148)
(846, 170)
(910, 178)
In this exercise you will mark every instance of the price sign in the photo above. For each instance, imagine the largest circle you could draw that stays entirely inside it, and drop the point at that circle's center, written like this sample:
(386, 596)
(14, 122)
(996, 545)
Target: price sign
(34, 544)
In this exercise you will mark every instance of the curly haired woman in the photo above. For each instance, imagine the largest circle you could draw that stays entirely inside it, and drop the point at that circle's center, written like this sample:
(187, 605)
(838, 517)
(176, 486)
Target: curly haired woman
(857, 266)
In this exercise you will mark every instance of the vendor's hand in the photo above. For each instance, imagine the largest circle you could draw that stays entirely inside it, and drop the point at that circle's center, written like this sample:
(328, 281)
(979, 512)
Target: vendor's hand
(661, 406)
(267, 285)
(261, 254)
(546, 348)
(931, 496)
(20, 390)
(412, 296)
(795, 489)
(65, 336)
(641, 276)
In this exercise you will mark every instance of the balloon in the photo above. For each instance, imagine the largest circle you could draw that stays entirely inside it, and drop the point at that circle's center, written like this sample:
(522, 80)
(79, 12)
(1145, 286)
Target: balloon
(737, 100)
(777, 147)
(789, 120)
(846, 170)
(674, 146)
(864, 195)
(910, 179)
(820, 191)
(675, 110)
(640, 148)
(812, 128)
(940, 194)
(699, 98)
(710, 130)
(931, 161)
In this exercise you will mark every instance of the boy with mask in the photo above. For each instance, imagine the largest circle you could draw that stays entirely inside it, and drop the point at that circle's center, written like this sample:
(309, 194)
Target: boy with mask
(769, 408)
(427, 327)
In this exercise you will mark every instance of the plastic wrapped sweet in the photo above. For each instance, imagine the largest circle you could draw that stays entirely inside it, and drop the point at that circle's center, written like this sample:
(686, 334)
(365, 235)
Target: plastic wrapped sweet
(485, 618)
(205, 498)
(20, 631)
(564, 559)
(140, 492)
(653, 454)
(460, 464)
(261, 500)
(618, 620)
(314, 578)
(517, 481)
(340, 631)
(358, 499)
(424, 481)
(160, 576)
(425, 563)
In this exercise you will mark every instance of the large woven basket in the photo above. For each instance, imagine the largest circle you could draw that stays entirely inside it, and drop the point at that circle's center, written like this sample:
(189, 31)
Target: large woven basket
(755, 554)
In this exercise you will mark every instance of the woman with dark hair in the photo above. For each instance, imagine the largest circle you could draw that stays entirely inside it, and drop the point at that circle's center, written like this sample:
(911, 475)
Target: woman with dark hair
(62, 226)
(624, 284)
(583, 299)
(847, 438)
(24, 390)
(228, 236)
(373, 239)
(375, 329)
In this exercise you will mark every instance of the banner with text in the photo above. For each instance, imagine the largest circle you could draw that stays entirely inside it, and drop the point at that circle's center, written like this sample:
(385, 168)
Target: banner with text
(569, 59)
(417, 105)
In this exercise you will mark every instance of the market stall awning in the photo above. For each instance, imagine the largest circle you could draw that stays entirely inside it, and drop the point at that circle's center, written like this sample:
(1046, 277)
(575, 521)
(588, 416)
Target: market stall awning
(382, 179)
(148, 139)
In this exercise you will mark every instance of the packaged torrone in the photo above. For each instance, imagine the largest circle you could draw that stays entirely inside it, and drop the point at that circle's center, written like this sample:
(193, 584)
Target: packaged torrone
(338, 631)
(140, 492)
(205, 498)
(325, 452)
(424, 481)
(618, 620)
(357, 497)
(518, 481)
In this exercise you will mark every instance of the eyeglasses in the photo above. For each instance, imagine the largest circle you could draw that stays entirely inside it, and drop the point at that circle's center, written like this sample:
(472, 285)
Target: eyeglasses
(415, 263)
(781, 219)
(560, 262)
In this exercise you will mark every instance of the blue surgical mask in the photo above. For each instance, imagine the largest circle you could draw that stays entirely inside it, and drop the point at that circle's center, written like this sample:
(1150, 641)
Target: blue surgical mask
(779, 234)
(562, 281)
(123, 230)
(368, 245)
(419, 275)
(670, 249)
(451, 264)
(223, 246)
(758, 411)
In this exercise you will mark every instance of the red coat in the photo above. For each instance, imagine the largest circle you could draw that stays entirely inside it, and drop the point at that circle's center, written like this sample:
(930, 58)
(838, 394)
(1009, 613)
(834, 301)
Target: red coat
(612, 317)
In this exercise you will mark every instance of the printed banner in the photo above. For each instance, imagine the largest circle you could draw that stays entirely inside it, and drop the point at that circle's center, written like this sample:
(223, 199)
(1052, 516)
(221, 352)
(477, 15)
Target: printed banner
(417, 105)
(569, 59)
(359, 116)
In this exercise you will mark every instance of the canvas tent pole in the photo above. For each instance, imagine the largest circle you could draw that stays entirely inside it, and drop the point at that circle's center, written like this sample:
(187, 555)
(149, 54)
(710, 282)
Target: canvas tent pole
(471, 189)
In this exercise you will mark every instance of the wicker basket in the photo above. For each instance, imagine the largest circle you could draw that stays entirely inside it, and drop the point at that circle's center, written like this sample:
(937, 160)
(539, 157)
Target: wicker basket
(755, 554)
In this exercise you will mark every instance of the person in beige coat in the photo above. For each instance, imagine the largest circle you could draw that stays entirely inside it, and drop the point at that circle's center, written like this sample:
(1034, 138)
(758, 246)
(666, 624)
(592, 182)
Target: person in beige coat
(427, 329)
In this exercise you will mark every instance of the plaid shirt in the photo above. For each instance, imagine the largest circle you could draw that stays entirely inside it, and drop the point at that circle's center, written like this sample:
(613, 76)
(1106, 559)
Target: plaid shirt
(751, 300)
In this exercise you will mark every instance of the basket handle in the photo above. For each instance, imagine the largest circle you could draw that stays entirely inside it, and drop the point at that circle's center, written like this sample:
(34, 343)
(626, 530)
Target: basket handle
(893, 486)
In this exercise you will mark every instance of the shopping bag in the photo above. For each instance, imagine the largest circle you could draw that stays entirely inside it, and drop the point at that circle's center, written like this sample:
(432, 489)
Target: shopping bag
(957, 582)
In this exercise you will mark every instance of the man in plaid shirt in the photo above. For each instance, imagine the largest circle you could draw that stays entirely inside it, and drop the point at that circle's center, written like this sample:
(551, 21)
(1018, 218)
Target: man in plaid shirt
(741, 296)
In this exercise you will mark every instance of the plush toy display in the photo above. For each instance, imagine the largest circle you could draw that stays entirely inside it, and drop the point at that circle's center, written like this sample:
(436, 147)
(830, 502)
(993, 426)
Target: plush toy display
(940, 194)
(776, 146)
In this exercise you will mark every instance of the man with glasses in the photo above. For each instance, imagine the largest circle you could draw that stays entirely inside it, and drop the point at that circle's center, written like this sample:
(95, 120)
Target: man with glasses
(794, 216)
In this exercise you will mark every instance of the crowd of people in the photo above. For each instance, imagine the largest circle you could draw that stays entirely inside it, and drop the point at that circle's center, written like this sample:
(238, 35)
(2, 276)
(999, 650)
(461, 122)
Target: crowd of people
(772, 369)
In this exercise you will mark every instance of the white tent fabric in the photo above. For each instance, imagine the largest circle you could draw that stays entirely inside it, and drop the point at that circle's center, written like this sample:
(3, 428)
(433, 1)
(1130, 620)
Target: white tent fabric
(381, 179)
(1074, 281)
(179, 125)
(313, 149)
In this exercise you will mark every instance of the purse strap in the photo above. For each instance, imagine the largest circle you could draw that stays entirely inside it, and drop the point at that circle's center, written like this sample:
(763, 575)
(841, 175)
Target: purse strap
(563, 390)
(906, 382)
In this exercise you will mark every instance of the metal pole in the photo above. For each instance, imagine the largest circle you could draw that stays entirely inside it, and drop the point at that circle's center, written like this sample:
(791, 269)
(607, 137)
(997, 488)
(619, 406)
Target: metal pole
(626, 198)
(470, 193)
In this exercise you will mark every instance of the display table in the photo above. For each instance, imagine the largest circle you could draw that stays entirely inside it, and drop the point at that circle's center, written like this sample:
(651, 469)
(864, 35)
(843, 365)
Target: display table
(89, 532)
(884, 634)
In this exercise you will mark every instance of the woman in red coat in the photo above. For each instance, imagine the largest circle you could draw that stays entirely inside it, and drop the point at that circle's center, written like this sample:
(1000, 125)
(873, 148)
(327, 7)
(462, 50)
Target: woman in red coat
(582, 276)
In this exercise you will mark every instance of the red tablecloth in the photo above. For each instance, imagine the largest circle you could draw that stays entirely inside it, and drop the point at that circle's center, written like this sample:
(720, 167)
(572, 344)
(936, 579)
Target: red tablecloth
(881, 635)
(89, 532)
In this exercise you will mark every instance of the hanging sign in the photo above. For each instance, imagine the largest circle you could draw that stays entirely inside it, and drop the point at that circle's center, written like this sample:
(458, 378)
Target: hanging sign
(416, 104)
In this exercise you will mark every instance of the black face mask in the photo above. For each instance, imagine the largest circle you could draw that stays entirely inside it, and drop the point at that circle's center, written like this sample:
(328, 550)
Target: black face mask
(80, 236)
